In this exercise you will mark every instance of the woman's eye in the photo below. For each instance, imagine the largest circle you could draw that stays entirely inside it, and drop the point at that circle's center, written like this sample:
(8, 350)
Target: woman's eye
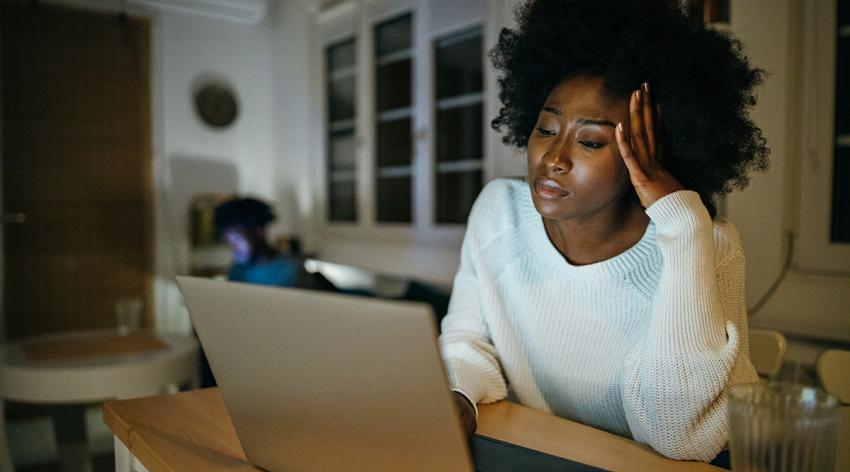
(591, 144)
(545, 131)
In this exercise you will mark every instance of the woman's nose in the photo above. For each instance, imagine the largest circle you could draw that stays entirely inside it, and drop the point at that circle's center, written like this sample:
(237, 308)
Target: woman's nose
(558, 160)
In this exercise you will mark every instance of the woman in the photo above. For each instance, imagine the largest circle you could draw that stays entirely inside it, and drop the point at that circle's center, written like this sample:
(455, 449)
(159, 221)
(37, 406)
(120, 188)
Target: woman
(601, 289)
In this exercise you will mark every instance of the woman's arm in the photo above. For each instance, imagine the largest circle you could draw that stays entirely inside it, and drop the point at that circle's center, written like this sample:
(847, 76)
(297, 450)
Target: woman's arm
(471, 361)
(695, 346)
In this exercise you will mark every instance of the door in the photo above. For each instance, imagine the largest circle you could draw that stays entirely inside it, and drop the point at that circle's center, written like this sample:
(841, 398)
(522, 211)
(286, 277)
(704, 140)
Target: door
(76, 167)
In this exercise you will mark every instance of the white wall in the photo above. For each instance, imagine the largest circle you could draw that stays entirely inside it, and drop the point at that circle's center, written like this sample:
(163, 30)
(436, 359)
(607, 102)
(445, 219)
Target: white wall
(190, 157)
(294, 111)
(759, 210)
(805, 304)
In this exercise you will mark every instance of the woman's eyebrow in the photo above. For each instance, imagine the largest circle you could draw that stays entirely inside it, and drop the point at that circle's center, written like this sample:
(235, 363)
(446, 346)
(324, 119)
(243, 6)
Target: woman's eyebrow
(581, 121)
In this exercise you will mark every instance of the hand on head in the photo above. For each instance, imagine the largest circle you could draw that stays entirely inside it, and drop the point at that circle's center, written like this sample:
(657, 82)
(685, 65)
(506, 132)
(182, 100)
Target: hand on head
(642, 152)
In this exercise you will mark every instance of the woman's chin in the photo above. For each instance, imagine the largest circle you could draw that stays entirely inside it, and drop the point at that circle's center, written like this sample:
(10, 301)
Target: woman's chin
(553, 209)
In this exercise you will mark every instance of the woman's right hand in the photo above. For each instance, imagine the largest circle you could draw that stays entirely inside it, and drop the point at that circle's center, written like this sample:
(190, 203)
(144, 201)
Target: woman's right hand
(467, 414)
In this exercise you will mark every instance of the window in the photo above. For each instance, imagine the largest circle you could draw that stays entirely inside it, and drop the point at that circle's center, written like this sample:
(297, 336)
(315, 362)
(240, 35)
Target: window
(341, 86)
(405, 147)
(840, 228)
(459, 123)
(394, 106)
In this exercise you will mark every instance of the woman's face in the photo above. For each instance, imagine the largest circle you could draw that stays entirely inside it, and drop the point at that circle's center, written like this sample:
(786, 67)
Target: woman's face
(574, 166)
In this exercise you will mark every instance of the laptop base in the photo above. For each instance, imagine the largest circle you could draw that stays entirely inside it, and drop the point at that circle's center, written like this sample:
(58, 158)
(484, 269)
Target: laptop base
(492, 455)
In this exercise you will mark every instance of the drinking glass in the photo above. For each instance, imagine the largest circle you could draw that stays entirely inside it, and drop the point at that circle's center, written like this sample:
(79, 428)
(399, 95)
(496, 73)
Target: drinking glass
(128, 314)
(781, 427)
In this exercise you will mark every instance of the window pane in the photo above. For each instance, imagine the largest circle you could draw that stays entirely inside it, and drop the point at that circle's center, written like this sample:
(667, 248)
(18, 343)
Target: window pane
(343, 201)
(393, 35)
(393, 43)
(342, 196)
(459, 62)
(841, 196)
(393, 85)
(394, 200)
(459, 133)
(341, 55)
(341, 149)
(394, 146)
(456, 191)
(459, 117)
(341, 100)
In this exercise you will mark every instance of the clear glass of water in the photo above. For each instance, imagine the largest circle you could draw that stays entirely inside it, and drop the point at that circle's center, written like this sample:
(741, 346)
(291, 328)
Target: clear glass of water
(779, 427)
(128, 314)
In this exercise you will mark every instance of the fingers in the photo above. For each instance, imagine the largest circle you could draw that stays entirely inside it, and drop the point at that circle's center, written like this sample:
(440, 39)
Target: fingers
(637, 129)
(642, 126)
(648, 115)
(632, 164)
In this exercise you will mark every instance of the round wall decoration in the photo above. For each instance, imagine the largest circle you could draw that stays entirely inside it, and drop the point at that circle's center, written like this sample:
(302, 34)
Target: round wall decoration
(216, 104)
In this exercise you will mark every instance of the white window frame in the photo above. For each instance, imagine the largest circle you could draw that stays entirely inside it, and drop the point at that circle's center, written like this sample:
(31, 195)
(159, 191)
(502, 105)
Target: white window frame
(816, 119)
(357, 18)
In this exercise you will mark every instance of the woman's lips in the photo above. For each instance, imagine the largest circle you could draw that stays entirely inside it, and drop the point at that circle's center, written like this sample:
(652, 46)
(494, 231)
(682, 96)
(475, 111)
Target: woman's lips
(549, 189)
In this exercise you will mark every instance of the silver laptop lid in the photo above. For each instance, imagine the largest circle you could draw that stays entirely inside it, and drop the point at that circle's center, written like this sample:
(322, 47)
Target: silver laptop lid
(318, 381)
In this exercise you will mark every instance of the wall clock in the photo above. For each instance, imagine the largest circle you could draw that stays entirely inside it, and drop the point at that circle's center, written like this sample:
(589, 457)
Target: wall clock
(216, 104)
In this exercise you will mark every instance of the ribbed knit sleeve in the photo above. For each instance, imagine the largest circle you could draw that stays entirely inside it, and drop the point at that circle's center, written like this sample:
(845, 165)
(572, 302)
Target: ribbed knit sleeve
(471, 360)
(694, 346)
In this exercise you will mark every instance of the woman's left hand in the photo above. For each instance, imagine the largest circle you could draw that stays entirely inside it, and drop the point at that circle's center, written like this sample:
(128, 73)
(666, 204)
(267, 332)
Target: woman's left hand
(641, 153)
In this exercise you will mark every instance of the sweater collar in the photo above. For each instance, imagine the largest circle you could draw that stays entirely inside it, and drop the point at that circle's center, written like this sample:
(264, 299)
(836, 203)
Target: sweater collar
(621, 264)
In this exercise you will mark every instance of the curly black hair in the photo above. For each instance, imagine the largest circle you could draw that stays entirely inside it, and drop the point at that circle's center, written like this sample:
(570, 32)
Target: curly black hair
(242, 213)
(699, 77)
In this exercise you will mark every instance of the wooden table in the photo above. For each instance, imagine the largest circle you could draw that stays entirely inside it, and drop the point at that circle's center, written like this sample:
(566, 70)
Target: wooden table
(192, 431)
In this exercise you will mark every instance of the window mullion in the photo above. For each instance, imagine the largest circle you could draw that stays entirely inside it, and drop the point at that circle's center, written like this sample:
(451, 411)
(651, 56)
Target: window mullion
(422, 124)
(365, 125)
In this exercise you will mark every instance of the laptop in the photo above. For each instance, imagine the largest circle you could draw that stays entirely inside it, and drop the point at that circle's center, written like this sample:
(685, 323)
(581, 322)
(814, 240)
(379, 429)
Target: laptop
(324, 381)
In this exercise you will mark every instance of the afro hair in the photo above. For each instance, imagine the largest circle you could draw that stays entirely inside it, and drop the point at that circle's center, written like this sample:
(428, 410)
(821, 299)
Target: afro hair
(700, 79)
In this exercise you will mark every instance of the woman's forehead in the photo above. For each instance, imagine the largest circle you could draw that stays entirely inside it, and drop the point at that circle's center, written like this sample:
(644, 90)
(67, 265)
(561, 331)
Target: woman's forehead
(585, 96)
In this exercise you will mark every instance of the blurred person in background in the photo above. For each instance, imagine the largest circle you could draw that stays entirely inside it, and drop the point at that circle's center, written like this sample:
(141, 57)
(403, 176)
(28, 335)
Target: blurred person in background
(243, 224)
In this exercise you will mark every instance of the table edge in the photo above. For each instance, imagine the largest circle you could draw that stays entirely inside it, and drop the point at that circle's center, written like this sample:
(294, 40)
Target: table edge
(123, 431)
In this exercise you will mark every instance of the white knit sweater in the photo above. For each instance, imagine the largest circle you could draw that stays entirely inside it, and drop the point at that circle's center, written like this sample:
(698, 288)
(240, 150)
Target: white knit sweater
(643, 345)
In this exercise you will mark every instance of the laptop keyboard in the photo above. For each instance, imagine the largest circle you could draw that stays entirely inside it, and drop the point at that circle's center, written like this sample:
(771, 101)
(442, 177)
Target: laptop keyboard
(492, 455)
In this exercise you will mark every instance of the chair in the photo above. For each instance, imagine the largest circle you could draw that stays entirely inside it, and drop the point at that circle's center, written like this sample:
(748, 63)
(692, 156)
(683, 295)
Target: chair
(833, 367)
(767, 352)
